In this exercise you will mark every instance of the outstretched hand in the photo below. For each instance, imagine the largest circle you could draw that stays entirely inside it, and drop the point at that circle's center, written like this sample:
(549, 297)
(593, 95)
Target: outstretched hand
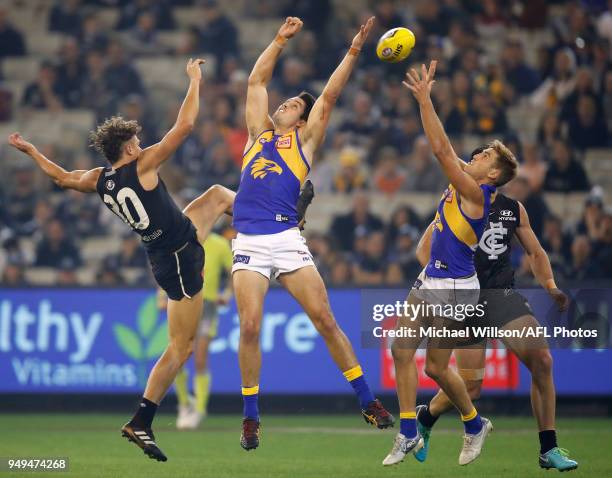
(420, 85)
(17, 142)
(362, 34)
(560, 299)
(193, 68)
(291, 26)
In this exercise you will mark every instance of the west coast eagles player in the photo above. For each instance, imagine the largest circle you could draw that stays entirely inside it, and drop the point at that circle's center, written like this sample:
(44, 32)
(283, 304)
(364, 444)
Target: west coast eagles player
(449, 277)
(277, 159)
(506, 308)
(132, 189)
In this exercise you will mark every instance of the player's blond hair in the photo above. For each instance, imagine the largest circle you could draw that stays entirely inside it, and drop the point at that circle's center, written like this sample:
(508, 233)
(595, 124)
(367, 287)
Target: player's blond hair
(506, 162)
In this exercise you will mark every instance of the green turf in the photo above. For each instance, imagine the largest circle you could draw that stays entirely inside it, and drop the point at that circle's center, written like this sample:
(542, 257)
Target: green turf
(292, 446)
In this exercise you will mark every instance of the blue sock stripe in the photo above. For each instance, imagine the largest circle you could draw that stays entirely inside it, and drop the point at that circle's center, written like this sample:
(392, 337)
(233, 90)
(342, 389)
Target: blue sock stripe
(251, 408)
(473, 426)
(408, 427)
(362, 390)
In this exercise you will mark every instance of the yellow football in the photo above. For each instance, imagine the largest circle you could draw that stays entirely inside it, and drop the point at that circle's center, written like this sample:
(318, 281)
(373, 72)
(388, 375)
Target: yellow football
(395, 45)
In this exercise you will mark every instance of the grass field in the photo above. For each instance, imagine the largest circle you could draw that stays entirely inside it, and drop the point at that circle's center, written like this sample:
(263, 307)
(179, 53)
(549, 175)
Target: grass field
(292, 446)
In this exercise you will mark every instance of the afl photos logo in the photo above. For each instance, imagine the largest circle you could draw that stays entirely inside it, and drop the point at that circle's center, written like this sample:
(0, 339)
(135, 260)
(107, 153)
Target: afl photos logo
(491, 241)
(110, 184)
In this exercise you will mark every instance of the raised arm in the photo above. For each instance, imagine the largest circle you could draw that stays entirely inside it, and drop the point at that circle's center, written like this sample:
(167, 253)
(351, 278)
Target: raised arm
(257, 117)
(538, 260)
(155, 155)
(79, 180)
(440, 144)
(314, 131)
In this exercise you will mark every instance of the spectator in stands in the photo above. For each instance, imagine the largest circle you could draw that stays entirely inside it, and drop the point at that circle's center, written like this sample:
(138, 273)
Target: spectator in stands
(315, 15)
(134, 108)
(565, 174)
(65, 17)
(588, 129)
(66, 274)
(121, 77)
(351, 175)
(142, 39)
(190, 42)
(80, 213)
(194, 153)
(218, 36)
(430, 16)
(43, 213)
(44, 93)
(425, 174)
(486, 117)
(592, 217)
(341, 273)
(404, 252)
(362, 123)
(602, 247)
(71, 74)
(161, 9)
(318, 62)
(359, 221)
(523, 78)
(533, 201)
(533, 168)
(13, 275)
(549, 130)
(401, 134)
(21, 197)
(96, 94)
(131, 254)
(292, 79)
(557, 243)
(607, 99)
(109, 274)
(560, 84)
(220, 169)
(583, 267)
(55, 248)
(585, 86)
(11, 40)
(389, 175)
(370, 266)
(92, 36)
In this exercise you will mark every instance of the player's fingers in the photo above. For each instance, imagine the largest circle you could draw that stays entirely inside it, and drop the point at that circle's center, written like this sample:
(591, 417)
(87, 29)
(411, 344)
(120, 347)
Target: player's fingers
(410, 87)
(410, 79)
(424, 72)
(432, 69)
(200, 61)
(415, 75)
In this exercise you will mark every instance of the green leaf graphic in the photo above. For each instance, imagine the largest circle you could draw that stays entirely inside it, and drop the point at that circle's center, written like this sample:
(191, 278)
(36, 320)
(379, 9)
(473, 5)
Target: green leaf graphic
(147, 316)
(128, 340)
(158, 342)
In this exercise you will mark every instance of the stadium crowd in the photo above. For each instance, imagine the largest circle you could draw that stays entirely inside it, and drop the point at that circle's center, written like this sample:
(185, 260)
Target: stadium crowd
(375, 146)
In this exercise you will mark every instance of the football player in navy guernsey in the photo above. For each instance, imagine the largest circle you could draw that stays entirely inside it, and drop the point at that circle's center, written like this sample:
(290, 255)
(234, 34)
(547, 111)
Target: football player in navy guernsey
(131, 188)
(506, 308)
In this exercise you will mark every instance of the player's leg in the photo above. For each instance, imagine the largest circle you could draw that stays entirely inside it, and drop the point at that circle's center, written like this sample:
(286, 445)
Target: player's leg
(535, 354)
(306, 286)
(250, 288)
(207, 208)
(476, 427)
(202, 379)
(183, 316)
(403, 350)
(470, 367)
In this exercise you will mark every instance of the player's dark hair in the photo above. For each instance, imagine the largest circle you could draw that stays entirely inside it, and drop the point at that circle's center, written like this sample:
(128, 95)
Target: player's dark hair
(109, 137)
(478, 150)
(310, 101)
(506, 162)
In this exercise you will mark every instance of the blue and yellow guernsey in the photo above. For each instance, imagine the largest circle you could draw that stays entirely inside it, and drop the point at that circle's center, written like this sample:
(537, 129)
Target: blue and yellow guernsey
(273, 170)
(455, 236)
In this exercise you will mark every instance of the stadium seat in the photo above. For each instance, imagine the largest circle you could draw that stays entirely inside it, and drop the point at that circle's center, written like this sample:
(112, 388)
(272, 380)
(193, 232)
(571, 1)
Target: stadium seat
(22, 69)
(168, 72)
(45, 44)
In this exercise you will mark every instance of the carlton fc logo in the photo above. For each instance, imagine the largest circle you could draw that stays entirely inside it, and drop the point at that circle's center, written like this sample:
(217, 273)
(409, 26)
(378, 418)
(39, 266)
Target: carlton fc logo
(492, 241)
(110, 184)
(262, 166)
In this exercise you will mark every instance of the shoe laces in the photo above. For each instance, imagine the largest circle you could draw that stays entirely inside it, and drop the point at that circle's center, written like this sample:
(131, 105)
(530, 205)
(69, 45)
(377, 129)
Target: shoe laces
(398, 444)
(564, 452)
(467, 440)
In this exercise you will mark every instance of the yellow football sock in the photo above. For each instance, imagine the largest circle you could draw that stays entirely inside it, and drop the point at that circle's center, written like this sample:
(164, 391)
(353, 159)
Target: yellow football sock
(201, 385)
(180, 384)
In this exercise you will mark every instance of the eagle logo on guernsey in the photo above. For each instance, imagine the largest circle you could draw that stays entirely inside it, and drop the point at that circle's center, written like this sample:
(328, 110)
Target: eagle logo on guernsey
(262, 166)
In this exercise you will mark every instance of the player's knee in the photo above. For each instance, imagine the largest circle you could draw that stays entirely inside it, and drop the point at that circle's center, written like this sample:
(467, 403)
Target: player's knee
(219, 195)
(434, 371)
(182, 349)
(249, 329)
(324, 321)
(541, 362)
(401, 354)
